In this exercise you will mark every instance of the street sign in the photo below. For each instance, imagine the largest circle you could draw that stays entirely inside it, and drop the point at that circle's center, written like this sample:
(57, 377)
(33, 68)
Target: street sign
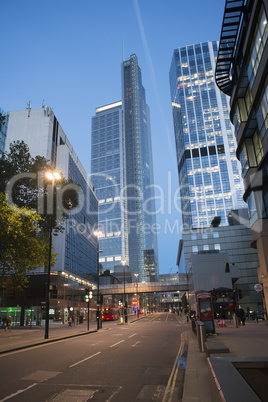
(258, 287)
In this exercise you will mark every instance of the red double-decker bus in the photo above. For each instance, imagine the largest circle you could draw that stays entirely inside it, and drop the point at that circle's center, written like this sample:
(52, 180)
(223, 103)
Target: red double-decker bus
(110, 314)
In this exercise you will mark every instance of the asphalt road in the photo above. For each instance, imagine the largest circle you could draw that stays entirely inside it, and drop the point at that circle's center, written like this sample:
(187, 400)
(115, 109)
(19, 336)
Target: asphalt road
(143, 361)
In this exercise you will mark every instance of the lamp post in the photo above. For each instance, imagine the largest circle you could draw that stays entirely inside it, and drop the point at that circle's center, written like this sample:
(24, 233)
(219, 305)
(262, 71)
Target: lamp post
(124, 301)
(51, 176)
(136, 276)
(98, 234)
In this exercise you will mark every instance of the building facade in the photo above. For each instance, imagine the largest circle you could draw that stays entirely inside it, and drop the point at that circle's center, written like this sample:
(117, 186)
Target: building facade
(122, 171)
(76, 246)
(241, 73)
(221, 257)
(209, 173)
(109, 178)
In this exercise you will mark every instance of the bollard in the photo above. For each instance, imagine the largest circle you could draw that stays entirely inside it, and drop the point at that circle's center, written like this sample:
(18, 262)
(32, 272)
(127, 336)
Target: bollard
(201, 335)
(235, 319)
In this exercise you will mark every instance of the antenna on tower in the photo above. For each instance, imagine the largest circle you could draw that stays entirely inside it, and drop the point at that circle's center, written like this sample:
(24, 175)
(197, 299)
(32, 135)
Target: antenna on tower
(123, 49)
(29, 106)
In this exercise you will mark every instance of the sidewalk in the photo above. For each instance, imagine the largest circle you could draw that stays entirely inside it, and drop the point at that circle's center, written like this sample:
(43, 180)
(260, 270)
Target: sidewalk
(247, 343)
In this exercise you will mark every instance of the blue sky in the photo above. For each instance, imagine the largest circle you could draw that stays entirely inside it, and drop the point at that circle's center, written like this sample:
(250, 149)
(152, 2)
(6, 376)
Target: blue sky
(69, 53)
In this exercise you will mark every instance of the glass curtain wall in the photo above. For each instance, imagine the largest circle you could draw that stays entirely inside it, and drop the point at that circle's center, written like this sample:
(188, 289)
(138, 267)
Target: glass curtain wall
(209, 173)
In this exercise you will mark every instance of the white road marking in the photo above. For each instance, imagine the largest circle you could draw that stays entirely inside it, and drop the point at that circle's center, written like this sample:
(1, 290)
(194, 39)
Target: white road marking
(115, 392)
(132, 335)
(18, 392)
(117, 343)
(133, 346)
(81, 361)
(94, 344)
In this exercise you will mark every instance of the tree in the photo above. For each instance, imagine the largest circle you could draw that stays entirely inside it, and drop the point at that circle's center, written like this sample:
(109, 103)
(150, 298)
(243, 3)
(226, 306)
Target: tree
(25, 233)
(26, 193)
(23, 245)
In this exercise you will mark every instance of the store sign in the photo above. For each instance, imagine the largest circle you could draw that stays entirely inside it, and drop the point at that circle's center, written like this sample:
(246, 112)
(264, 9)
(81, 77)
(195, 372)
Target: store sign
(258, 287)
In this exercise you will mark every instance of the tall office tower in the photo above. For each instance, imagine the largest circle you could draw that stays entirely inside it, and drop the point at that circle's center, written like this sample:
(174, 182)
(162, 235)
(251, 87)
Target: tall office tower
(108, 177)
(143, 254)
(209, 173)
(76, 246)
(3, 131)
(121, 150)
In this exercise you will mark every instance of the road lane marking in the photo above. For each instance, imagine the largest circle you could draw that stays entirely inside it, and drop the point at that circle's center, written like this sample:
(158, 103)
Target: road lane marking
(117, 343)
(94, 344)
(113, 394)
(18, 392)
(133, 346)
(81, 361)
(173, 376)
(132, 335)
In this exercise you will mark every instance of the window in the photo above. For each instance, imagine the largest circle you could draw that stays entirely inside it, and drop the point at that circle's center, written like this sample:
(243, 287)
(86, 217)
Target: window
(193, 236)
(205, 247)
(252, 212)
(204, 235)
(110, 259)
(257, 147)
(262, 112)
(194, 249)
(216, 235)
(257, 46)
(217, 246)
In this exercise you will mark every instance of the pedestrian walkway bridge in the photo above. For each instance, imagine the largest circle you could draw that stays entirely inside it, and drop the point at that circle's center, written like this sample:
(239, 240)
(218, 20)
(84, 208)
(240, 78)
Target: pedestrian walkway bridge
(147, 287)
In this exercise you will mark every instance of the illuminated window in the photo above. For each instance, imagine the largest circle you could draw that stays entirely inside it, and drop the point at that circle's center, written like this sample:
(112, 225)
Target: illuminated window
(110, 259)
(118, 258)
(110, 234)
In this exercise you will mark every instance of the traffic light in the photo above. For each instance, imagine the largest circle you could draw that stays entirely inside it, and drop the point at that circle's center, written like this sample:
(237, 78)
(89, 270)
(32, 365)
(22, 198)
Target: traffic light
(87, 294)
(240, 294)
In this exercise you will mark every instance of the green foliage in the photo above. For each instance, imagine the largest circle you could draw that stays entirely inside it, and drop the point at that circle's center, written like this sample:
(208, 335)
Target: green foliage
(23, 245)
(24, 237)
(26, 192)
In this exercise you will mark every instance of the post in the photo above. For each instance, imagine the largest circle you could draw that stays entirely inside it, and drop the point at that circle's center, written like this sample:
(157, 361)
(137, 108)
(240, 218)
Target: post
(99, 323)
(88, 311)
(51, 176)
(48, 273)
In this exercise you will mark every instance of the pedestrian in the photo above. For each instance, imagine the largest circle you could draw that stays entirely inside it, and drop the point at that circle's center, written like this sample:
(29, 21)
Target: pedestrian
(242, 315)
(8, 323)
(69, 321)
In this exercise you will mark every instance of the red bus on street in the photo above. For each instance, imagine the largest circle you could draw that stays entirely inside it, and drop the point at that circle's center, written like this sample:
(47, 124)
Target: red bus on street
(110, 314)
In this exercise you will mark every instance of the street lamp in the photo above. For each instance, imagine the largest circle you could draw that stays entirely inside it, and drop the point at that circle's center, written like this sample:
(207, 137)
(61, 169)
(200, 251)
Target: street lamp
(98, 234)
(51, 176)
(123, 262)
(136, 276)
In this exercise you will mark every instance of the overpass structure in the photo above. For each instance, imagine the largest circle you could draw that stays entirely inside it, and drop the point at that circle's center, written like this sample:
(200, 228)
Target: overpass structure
(147, 287)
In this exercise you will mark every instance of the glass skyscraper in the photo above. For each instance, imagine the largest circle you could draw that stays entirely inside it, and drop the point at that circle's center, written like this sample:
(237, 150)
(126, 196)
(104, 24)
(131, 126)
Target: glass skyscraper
(108, 176)
(122, 173)
(209, 173)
